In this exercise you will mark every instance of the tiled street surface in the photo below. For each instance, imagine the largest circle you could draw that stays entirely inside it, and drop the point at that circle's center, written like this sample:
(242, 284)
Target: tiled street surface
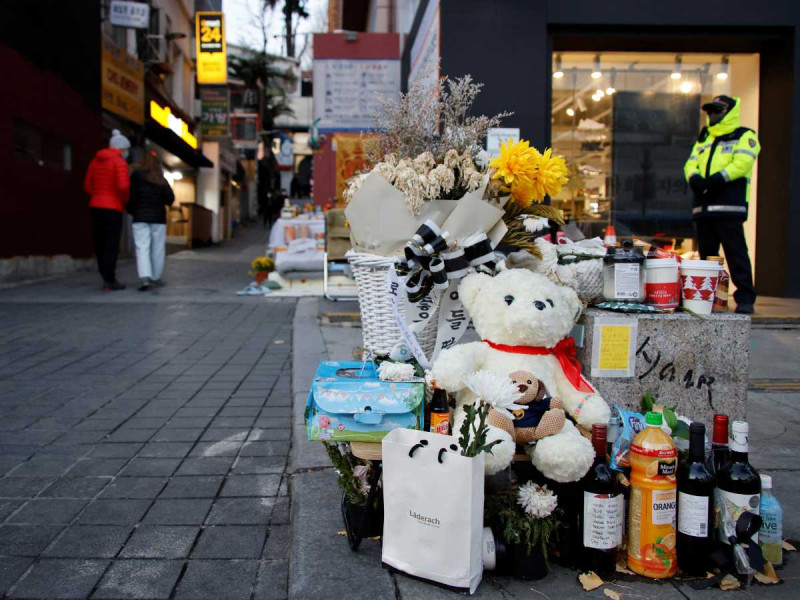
(144, 437)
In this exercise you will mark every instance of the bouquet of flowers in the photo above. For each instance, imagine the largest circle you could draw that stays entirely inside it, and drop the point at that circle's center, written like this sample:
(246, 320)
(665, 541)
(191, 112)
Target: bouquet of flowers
(262, 264)
(526, 517)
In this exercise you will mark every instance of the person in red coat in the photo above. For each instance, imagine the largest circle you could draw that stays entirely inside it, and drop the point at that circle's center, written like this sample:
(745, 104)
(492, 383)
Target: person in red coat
(108, 183)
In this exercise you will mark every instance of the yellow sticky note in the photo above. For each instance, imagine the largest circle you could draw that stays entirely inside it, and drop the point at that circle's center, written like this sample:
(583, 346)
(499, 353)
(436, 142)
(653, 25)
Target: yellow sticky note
(615, 347)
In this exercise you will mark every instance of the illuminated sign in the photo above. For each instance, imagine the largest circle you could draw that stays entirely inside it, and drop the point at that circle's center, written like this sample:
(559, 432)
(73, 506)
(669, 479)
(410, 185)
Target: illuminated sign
(212, 64)
(164, 117)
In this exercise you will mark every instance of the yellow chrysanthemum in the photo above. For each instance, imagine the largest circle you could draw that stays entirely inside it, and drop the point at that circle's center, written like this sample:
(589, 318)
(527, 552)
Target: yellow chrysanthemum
(546, 179)
(517, 160)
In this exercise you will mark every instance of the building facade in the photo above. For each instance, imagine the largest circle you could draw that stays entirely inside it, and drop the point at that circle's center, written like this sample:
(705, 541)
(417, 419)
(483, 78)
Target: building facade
(617, 88)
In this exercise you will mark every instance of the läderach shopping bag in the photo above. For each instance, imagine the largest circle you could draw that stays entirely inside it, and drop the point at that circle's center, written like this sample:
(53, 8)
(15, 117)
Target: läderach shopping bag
(433, 508)
(349, 403)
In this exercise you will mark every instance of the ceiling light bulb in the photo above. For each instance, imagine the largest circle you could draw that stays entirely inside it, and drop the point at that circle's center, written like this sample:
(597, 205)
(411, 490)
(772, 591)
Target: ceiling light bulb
(596, 74)
(676, 70)
(558, 74)
(571, 112)
(600, 93)
(675, 75)
(595, 97)
(686, 87)
(722, 75)
(611, 90)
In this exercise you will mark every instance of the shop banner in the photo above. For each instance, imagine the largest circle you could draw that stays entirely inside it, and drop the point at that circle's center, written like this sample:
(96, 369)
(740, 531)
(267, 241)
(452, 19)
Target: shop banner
(350, 158)
(212, 63)
(214, 112)
(129, 14)
(122, 82)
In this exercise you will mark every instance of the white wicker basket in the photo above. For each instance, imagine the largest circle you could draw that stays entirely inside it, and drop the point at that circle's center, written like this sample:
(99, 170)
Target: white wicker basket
(378, 325)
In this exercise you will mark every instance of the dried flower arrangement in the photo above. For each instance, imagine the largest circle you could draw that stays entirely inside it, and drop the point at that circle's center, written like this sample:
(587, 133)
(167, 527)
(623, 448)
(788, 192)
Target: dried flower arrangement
(430, 147)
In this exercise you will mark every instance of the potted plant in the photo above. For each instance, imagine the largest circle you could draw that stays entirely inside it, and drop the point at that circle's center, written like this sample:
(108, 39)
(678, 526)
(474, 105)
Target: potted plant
(353, 477)
(261, 267)
(525, 518)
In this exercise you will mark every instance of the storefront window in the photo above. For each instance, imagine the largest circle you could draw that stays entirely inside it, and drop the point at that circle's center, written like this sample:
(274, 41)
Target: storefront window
(626, 122)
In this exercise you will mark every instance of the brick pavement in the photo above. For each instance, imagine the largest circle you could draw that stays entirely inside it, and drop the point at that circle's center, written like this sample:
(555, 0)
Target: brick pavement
(144, 437)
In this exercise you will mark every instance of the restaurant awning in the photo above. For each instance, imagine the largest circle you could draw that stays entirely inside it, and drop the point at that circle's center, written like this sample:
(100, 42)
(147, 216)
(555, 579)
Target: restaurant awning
(168, 140)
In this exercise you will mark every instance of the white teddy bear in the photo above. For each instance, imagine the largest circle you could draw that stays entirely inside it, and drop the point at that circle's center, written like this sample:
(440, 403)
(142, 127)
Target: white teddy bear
(522, 318)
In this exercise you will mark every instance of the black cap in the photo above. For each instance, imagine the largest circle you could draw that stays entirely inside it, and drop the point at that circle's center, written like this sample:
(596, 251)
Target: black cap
(719, 103)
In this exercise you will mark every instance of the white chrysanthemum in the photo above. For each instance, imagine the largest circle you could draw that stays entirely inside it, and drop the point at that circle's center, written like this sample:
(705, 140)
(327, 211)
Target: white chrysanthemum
(424, 163)
(442, 177)
(496, 390)
(392, 371)
(451, 158)
(534, 224)
(538, 502)
(391, 158)
(549, 260)
(385, 170)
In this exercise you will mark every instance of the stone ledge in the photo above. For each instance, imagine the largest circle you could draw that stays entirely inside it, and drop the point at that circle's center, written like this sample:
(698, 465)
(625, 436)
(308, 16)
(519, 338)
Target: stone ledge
(698, 366)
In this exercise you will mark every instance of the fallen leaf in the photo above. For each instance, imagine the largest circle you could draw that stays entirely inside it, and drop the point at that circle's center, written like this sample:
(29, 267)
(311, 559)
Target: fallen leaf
(788, 547)
(590, 581)
(621, 568)
(342, 533)
(729, 583)
(612, 594)
(768, 575)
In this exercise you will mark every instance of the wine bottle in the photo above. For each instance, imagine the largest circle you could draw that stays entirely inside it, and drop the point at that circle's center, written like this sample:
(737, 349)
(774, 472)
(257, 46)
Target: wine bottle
(695, 505)
(440, 413)
(738, 485)
(601, 517)
(719, 443)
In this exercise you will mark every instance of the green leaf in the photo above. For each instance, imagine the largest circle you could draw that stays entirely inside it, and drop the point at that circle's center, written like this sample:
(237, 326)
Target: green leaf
(681, 431)
(670, 418)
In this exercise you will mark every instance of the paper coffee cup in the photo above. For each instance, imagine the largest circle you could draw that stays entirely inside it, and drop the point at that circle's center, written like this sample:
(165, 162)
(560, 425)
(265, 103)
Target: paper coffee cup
(662, 287)
(699, 280)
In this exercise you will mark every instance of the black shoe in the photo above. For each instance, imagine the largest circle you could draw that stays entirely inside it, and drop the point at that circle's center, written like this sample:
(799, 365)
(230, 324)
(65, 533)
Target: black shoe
(157, 282)
(146, 283)
(113, 286)
(745, 309)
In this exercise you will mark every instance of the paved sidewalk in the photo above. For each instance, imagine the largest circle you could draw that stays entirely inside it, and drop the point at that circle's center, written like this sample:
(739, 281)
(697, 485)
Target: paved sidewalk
(144, 437)
(323, 567)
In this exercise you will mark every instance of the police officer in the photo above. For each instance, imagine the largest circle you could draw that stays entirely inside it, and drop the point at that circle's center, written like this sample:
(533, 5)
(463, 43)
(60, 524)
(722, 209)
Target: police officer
(718, 171)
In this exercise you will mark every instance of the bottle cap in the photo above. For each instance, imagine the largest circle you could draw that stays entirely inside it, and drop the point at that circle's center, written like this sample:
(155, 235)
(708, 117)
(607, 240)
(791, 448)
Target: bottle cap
(697, 429)
(720, 429)
(740, 427)
(653, 418)
(766, 482)
(739, 433)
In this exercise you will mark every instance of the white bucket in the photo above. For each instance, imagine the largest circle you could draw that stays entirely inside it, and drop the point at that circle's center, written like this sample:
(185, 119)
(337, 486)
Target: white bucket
(662, 287)
(699, 280)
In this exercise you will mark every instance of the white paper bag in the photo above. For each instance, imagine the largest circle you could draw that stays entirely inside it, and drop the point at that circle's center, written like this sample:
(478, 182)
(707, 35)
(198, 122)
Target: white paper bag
(433, 508)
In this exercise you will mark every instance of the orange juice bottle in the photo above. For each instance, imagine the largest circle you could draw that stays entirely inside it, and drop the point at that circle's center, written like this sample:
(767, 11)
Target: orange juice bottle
(653, 500)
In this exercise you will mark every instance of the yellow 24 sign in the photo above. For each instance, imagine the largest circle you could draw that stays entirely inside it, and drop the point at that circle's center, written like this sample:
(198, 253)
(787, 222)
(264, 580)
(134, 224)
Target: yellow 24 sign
(212, 64)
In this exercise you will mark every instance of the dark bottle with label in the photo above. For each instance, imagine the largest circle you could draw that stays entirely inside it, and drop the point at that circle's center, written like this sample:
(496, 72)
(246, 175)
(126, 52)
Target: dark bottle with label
(719, 443)
(440, 413)
(738, 484)
(602, 512)
(695, 506)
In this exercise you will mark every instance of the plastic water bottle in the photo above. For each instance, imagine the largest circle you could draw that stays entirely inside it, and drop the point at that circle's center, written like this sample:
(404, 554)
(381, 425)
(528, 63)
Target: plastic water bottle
(770, 537)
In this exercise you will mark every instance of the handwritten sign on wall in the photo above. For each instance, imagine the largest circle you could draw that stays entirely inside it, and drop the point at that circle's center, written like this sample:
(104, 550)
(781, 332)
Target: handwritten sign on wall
(614, 347)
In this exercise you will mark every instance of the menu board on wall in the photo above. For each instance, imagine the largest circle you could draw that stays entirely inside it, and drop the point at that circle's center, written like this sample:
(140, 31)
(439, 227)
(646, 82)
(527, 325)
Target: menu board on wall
(346, 91)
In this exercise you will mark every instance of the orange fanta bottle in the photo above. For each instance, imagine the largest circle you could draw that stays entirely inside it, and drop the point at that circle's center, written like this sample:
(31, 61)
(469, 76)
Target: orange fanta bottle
(654, 498)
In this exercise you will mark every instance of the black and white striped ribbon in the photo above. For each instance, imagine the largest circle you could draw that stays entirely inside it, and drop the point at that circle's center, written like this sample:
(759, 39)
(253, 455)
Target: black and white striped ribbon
(427, 265)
